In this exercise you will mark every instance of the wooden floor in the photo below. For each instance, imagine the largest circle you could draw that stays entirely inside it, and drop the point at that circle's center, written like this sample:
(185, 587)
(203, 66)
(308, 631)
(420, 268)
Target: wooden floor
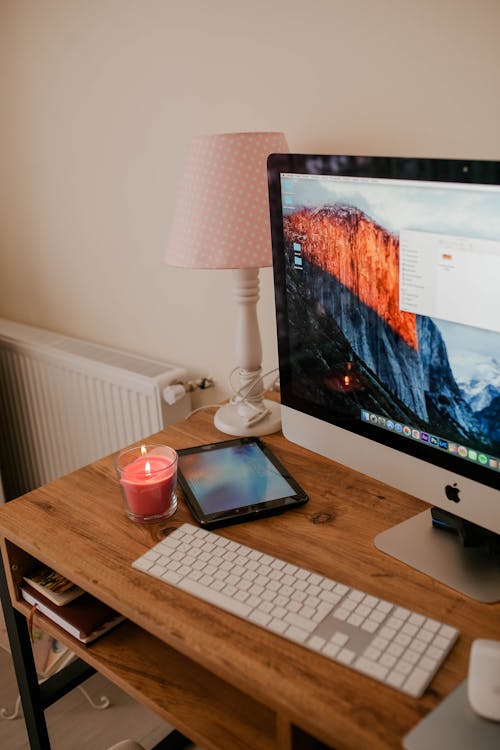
(74, 725)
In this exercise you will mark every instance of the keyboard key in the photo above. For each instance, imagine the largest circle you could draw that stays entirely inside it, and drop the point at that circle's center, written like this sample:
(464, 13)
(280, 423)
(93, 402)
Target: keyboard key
(340, 639)
(371, 668)
(395, 679)
(143, 564)
(416, 683)
(331, 650)
(261, 618)
(215, 597)
(417, 620)
(316, 642)
(296, 634)
(277, 626)
(345, 656)
(301, 622)
(370, 625)
(447, 631)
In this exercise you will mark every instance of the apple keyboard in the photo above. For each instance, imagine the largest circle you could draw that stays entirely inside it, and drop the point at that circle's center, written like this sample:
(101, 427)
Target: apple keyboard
(392, 644)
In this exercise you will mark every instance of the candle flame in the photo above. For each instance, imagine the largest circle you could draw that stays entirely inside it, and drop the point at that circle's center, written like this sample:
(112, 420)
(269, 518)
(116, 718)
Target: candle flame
(143, 450)
(147, 468)
(347, 380)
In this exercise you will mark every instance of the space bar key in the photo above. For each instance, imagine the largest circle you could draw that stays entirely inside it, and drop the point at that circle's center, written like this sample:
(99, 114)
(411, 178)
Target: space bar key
(215, 597)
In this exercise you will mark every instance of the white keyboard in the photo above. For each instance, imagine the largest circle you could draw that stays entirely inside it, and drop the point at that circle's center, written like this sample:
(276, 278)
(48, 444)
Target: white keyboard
(398, 647)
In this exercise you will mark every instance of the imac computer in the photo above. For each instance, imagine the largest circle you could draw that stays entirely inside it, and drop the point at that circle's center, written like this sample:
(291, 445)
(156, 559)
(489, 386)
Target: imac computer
(387, 283)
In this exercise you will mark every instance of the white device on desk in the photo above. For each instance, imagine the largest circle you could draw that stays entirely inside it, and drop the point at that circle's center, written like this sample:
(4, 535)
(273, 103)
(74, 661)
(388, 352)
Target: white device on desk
(484, 679)
(400, 648)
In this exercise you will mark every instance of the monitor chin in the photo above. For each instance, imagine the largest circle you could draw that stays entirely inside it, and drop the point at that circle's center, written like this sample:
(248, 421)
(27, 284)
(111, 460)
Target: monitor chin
(472, 570)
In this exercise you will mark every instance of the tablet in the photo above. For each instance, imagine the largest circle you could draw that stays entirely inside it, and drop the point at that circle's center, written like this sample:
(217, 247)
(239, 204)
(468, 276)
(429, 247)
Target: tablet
(236, 480)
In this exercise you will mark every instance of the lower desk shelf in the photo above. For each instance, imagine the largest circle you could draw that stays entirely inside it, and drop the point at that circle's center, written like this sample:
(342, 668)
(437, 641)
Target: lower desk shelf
(201, 705)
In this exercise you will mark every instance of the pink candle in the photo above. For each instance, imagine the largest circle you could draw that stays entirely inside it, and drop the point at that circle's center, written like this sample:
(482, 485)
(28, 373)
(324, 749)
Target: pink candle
(148, 484)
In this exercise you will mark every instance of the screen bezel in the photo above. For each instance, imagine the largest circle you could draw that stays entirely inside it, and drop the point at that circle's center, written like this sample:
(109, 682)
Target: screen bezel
(389, 447)
(239, 512)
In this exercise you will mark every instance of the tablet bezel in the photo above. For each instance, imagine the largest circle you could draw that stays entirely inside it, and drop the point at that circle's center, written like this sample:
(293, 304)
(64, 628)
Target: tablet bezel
(244, 512)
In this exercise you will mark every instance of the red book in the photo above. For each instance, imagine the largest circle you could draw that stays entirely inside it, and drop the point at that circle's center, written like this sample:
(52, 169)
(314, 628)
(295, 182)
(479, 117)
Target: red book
(85, 618)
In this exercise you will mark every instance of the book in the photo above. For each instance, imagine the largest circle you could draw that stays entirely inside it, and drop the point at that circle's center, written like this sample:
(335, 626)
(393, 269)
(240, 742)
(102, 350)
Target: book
(59, 657)
(50, 655)
(53, 585)
(85, 618)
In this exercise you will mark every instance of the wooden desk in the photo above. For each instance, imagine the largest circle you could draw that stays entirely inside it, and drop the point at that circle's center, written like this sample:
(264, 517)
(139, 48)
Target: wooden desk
(227, 684)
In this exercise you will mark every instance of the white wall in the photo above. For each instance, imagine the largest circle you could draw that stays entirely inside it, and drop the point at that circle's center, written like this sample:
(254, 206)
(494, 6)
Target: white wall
(99, 99)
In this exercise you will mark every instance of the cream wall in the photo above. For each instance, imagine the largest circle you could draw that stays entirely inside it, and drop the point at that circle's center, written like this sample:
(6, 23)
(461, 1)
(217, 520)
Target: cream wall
(99, 99)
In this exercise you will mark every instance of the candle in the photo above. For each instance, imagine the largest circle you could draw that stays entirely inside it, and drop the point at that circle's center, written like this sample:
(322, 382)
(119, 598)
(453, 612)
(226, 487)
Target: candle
(148, 478)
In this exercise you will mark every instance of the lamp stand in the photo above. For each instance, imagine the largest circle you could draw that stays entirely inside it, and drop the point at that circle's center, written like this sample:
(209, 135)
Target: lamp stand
(248, 413)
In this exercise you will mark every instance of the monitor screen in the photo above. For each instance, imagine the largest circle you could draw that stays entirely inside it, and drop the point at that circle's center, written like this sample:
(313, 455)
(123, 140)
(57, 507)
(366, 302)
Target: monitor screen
(386, 273)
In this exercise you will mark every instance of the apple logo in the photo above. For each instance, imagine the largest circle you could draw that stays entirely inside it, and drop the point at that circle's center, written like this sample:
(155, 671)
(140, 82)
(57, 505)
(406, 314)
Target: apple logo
(451, 492)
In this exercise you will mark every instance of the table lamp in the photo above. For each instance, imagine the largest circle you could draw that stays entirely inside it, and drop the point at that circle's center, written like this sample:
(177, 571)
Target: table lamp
(221, 220)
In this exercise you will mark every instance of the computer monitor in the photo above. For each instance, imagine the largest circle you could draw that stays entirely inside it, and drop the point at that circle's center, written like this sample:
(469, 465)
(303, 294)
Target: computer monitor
(387, 275)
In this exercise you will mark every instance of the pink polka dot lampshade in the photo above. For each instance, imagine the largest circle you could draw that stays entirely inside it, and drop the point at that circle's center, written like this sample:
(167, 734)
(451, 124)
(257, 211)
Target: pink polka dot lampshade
(221, 219)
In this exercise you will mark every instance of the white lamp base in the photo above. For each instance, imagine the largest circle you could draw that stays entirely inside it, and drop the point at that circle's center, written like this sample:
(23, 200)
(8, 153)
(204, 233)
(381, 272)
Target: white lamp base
(233, 419)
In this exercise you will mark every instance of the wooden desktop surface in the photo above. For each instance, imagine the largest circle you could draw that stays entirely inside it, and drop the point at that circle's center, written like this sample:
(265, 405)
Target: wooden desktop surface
(227, 684)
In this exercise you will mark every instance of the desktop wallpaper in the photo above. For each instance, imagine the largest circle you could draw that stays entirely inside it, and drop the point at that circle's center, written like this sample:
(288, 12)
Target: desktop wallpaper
(351, 346)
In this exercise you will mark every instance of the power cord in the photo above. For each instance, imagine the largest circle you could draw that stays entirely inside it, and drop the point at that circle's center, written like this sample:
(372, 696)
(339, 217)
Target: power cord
(201, 384)
(253, 411)
(240, 396)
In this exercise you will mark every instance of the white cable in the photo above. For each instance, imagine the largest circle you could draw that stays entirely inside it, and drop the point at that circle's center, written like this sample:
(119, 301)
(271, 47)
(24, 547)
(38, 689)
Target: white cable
(238, 397)
(241, 397)
(202, 408)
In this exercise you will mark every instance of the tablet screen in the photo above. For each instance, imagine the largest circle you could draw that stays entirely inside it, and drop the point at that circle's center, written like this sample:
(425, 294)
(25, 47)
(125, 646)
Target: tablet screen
(231, 477)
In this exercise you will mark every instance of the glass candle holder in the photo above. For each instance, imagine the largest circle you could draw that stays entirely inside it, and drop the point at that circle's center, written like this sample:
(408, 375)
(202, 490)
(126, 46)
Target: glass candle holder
(148, 481)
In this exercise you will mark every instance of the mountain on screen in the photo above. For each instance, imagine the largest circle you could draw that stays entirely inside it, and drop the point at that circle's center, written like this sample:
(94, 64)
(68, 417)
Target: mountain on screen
(350, 276)
(479, 381)
(478, 378)
(359, 253)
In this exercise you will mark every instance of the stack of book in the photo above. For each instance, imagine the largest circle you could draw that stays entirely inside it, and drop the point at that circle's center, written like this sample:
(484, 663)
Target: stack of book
(77, 612)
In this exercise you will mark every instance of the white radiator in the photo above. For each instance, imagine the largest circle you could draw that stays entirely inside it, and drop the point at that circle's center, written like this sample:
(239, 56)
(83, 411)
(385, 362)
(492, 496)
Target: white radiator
(65, 402)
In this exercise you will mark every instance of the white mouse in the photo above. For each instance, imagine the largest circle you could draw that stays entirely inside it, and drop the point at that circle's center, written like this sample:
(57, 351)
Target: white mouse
(483, 685)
